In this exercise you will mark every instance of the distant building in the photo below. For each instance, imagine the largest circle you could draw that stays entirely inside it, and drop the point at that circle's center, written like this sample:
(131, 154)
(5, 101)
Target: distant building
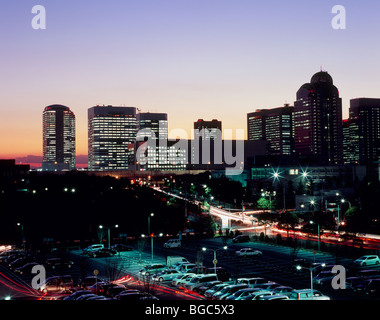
(318, 120)
(351, 154)
(156, 122)
(362, 131)
(275, 126)
(9, 169)
(208, 130)
(58, 139)
(110, 132)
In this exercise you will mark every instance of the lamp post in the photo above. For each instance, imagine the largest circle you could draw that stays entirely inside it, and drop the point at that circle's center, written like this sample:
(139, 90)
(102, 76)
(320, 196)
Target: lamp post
(349, 204)
(311, 278)
(319, 235)
(109, 233)
(151, 236)
(22, 234)
(215, 250)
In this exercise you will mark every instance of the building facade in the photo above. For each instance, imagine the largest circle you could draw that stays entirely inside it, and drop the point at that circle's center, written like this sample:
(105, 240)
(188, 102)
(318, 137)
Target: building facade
(362, 139)
(208, 130)
(275, 126)
(58, 139)
(318, 120)
(110, 132)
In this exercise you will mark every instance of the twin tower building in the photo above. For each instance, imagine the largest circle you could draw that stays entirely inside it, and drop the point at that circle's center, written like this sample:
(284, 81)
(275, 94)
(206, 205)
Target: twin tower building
(313, 129)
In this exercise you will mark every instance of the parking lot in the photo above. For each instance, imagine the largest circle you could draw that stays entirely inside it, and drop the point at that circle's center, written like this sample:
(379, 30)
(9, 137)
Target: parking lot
(275, 264)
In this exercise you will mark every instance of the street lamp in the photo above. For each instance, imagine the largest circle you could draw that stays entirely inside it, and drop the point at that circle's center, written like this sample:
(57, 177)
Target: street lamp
(311, 278)
(22, 234)
(319, 235)
(109, 233)
(215, 250)
(151, 236)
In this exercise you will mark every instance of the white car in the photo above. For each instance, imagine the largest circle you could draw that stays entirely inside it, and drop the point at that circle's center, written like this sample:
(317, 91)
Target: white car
(165, 275)
(184, 281)
(367, 260)
(307, 294)
(177, 280)
(245, 252)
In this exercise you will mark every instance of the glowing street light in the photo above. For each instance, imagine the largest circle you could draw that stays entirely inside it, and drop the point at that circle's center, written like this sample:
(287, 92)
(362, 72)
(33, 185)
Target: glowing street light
(215, 261)
(109, 233)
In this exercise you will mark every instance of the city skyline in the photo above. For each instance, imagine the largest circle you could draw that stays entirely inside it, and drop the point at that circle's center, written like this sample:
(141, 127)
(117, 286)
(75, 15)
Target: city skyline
(190, 61)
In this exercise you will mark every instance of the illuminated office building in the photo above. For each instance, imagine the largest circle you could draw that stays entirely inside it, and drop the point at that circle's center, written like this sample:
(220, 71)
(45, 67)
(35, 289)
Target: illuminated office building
(58, 138)
(318, 120)
(275, 126)
(110, 132)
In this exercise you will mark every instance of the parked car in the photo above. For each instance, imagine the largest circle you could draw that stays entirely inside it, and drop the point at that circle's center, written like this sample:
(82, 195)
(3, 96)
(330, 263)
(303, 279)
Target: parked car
(179, 278)
(200, 280)
(246, 252)
(121, 247)
(213, 290)
(86, 296)
(89, 281)
(56, 284)
(58, 263)
(252, 282)
(172, 243)
(182, 283)
(227, 291)
(199, 270)
(307, 294)
(186, 267)
(205, 286)
(282, 290)
(102, 253)
(152, 269)
(368, 274)
(241, 238)
(6, 254)
(274, 297)
(113, 291)
(242, 293)
(367, 260)
(269, 286)
(92, 248)
(259, 295)
(20, 262)
(324, 277)
(26, 269)
(166, 275)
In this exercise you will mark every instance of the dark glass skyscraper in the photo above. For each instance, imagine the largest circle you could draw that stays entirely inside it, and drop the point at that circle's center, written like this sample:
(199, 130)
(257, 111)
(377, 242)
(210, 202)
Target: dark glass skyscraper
(318, 120)
(364, 131)
(275, 126)
(58, 138)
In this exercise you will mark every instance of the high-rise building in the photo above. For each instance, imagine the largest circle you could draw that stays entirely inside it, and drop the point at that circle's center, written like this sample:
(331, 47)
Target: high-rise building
(155, 127)
(275, 126)
(364, 134)
(58, 138)
(351, 153)
(318, 120)
(156, 122)
(208, 130)
(110, 132)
